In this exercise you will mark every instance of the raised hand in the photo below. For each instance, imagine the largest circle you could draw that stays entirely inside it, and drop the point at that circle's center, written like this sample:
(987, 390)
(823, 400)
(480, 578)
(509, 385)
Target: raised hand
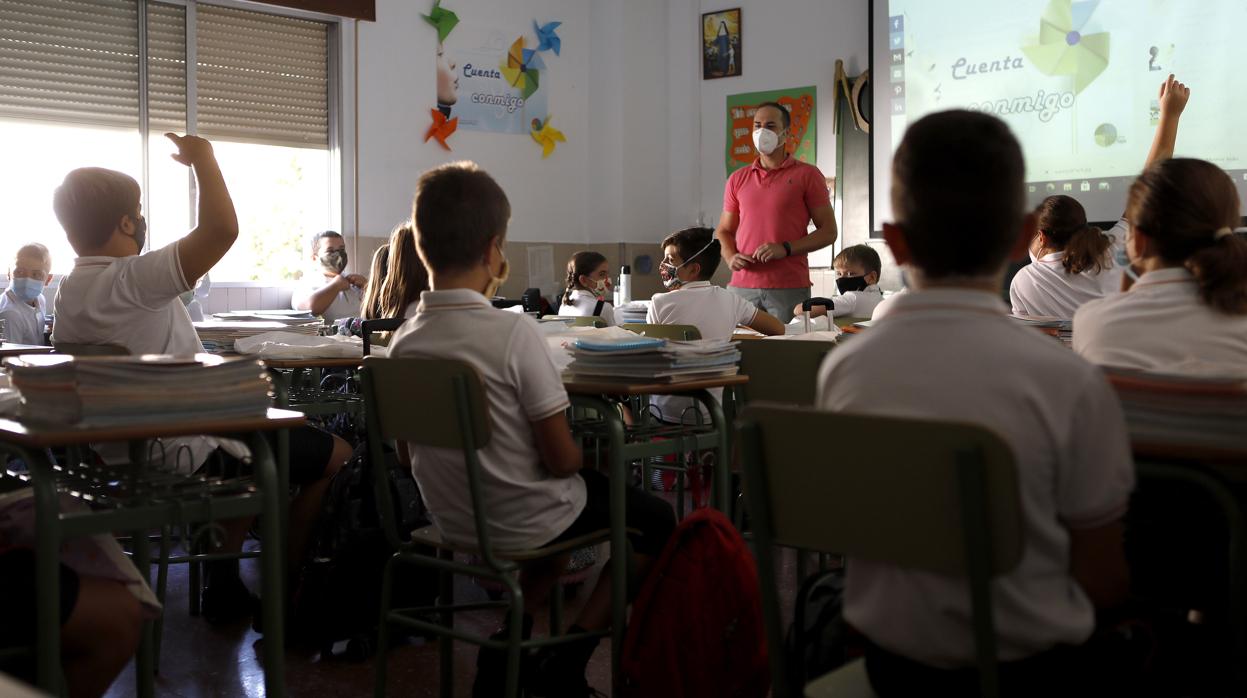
(1173, 97)
(192, 150)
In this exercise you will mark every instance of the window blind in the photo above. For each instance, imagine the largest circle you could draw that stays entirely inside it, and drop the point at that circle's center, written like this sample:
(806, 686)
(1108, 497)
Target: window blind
(166, 68)
(262, 78)
(71, 60)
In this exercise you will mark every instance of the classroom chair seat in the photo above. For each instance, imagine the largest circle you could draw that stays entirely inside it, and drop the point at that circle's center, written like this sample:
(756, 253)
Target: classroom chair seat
(676, 332)
(76, 349)
(849, 681)
(431, 537)
(576, 320)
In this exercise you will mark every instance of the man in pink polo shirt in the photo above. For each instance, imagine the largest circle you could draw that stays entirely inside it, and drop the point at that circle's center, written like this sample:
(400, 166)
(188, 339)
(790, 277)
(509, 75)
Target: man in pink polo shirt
(767, 208)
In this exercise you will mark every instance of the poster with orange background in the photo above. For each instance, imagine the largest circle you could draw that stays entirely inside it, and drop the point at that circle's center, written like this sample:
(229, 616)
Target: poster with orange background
(802, 141)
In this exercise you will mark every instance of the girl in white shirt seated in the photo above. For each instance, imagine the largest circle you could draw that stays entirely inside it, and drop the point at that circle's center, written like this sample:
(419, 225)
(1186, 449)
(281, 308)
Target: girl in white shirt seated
(1187, 311)
(1071, 261)
(588, 287)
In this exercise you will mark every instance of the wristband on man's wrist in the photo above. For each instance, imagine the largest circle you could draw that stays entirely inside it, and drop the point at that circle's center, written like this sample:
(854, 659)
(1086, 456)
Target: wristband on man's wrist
(787, 249)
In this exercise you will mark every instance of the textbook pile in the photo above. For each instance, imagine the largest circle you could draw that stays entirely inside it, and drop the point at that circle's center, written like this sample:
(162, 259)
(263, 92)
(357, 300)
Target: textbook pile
(634, 312)
(652, 360)
(1055, 326)
(108, 391)
(219, 336)
(1190, 411)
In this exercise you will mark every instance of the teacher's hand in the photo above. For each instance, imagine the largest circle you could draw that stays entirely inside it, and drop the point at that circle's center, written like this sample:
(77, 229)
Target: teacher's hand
(770, 251)
(740, 260)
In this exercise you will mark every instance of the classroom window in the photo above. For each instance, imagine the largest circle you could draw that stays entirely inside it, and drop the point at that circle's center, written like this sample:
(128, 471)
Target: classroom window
(80, 84)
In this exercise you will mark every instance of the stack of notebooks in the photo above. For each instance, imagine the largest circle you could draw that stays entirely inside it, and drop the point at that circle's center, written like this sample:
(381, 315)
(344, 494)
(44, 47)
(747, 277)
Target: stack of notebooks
(1191, 411)
(107, 391)
(634, 312)
(652, 360)
(218, 336)
(1055, 326)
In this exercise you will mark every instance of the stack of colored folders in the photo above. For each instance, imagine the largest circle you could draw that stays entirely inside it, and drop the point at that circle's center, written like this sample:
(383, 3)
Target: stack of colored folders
(1191, 411)
(106, 391)
(651, 359)
(1060, 328)
(636, 312)
(218, 336)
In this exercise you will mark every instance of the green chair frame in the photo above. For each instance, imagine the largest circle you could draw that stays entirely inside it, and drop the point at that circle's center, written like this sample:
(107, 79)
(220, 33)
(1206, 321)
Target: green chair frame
(388, 386)
(368, 328)
(676, 332)
(957, 485)
(576, 320)
(780, 371)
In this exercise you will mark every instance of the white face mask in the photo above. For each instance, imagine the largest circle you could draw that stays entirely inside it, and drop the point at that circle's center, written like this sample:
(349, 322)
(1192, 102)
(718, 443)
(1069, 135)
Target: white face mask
(765, 140)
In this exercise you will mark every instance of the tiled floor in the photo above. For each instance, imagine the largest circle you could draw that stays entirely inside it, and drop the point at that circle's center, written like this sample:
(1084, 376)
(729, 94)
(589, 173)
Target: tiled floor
(200, 660)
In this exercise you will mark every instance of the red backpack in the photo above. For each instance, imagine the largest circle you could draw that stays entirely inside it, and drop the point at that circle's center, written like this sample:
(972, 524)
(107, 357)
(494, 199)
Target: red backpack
(696, 627)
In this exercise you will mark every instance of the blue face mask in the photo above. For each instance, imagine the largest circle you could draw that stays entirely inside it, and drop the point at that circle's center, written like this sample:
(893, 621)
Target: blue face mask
(1122, 259)
(26, 290)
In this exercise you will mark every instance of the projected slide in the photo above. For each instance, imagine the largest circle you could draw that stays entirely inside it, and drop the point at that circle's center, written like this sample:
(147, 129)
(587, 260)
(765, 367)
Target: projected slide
(1076, 81)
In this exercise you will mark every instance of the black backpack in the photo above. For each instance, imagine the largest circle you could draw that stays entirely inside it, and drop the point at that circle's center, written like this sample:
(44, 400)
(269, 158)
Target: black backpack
(818, 639)
(339, 595)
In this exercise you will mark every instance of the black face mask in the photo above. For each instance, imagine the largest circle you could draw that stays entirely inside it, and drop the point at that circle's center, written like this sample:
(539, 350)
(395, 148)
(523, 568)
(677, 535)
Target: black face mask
(140, 233)
(845, 284)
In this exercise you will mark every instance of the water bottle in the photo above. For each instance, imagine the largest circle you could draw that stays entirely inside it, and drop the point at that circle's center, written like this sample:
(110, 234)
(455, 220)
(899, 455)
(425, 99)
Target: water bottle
(625, 285)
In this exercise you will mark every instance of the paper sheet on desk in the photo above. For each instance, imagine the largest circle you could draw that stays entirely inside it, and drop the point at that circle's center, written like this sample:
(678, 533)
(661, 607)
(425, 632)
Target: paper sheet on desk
(91, 556)
(288, 345)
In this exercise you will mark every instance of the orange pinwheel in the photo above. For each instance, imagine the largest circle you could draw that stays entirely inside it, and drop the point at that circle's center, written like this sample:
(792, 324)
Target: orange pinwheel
(441, 129)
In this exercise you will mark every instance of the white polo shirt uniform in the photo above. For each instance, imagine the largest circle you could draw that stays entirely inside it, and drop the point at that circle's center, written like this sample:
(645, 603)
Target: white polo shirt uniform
(1043, 287)
(346, 304)
(580, 303)
(857, 303)
(715, 312)
(955, 354)
(133, 302)
(1162, 324)
(527, 505)
(23, 323)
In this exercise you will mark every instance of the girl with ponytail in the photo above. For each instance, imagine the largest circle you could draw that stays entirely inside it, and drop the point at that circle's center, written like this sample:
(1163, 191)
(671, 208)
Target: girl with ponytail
(588, 287)
(1073, 262)
(1187, 312)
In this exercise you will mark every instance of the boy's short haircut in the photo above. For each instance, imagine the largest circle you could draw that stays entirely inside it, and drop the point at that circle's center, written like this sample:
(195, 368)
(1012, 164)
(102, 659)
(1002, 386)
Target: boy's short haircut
(957, 192)
(863, 256)
(784, 115)
(90, 204)
(35, 249)
(315, 242)
(690, 242)
(458, 209)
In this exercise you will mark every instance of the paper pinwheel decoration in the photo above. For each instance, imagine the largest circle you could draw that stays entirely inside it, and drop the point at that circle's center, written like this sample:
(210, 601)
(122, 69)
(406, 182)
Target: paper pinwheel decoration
(444, 20)
(522, 67)
(547, 136)
(441, 128)
(1062, 48)
(547, 40)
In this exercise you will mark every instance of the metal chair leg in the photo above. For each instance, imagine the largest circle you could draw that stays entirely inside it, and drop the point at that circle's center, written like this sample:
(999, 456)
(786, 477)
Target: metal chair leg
(383, 631)
(446, 643)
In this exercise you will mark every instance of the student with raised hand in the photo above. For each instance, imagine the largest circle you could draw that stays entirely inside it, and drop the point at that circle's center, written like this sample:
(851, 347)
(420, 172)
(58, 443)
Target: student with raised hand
(117, 295)
(948, 350)
(531, 469)
(1187, 312)
(1073, 262)
(328, 290)
(588, 287)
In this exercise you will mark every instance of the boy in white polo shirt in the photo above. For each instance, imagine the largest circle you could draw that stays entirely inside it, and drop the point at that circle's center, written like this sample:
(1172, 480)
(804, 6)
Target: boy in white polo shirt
(948, 350)
(534, 486)
(857, 281)
(118, 295)
(690, 258)
(22, 306)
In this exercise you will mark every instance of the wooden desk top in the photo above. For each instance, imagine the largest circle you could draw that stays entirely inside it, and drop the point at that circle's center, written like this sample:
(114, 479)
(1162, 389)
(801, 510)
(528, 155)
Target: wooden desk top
(33, 435)
(313, 363)
(11, 349)
(610, 387)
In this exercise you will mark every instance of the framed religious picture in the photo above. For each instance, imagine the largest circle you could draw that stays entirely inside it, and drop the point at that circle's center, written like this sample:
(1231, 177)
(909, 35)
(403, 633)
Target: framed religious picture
(720, 44)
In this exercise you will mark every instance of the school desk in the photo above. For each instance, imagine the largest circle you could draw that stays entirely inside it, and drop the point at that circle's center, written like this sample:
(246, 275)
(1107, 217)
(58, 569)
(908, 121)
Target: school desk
(8, 349)
(621, 451)
(141, 500)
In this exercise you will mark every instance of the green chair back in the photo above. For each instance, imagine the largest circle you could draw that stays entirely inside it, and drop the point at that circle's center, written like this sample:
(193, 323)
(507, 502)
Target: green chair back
(781, 371)
(378, 331)
(935, 496)
(397, 397)
(73, 349)
(576, 320)
(676, 332)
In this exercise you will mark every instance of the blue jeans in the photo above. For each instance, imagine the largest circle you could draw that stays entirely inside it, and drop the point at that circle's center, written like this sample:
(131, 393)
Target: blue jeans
(776, 301)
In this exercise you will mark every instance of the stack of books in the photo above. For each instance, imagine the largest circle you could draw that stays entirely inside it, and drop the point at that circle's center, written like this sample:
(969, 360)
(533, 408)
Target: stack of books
(218, 336)
(652, 360)
(106, 391)
(634, 312)
(1191, 411)
(1060, 328)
